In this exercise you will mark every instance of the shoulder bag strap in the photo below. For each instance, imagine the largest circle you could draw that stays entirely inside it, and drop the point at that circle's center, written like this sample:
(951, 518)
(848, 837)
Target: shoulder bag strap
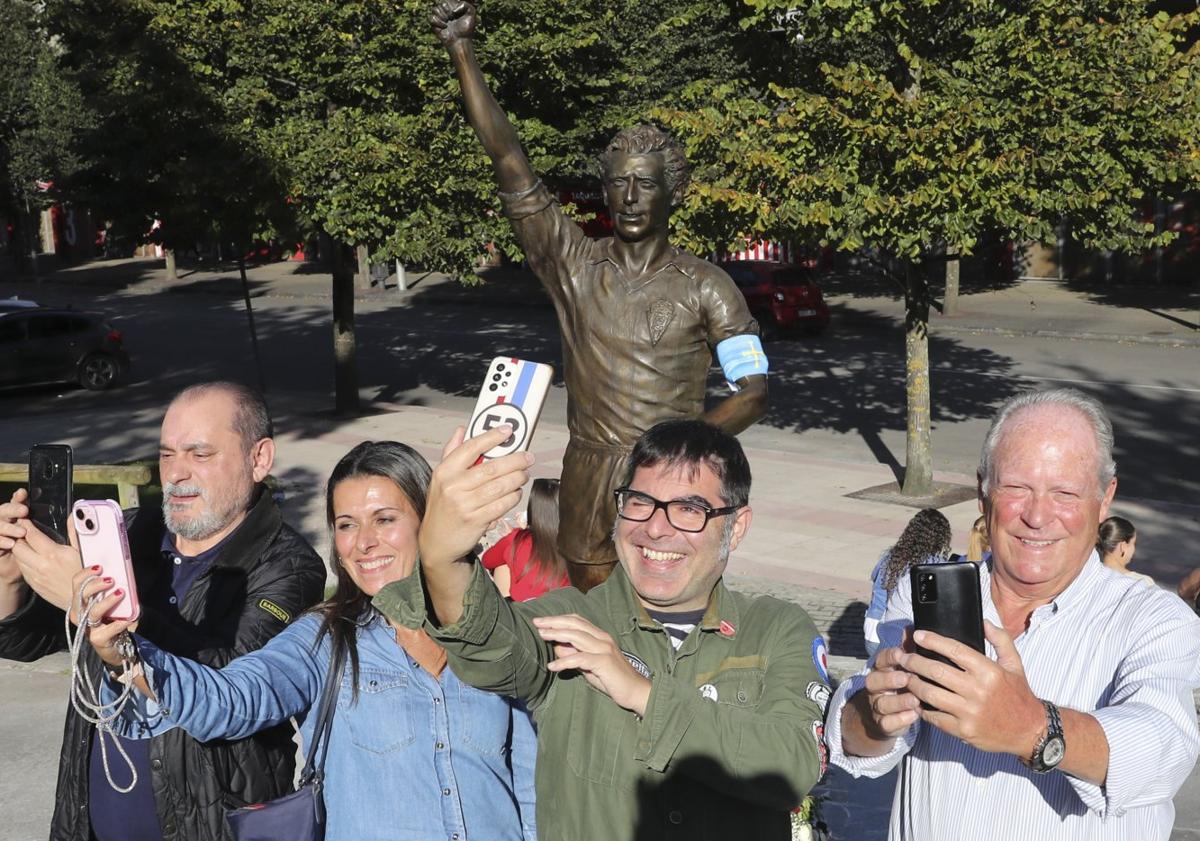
(314, 762)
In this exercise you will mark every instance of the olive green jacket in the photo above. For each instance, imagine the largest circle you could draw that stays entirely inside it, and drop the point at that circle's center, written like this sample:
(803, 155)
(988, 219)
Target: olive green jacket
(731, 738)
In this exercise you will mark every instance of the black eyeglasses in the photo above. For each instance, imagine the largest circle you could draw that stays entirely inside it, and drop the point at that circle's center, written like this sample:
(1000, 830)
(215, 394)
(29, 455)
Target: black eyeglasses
(682, 514)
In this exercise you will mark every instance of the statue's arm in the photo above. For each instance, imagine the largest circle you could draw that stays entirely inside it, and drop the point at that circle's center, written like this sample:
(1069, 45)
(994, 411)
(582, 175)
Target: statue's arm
(454, 22)
(743, 407)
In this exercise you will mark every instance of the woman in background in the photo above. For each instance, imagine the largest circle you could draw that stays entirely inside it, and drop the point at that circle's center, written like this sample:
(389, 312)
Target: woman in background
(525, 562)
(977, 542)
(1116, 543)
(925, 540)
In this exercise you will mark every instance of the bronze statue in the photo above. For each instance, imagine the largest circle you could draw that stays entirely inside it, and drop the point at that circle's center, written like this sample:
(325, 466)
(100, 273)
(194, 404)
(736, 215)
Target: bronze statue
(639, 318)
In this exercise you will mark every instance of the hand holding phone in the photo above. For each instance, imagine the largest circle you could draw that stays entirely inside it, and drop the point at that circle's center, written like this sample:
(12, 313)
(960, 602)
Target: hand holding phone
(100, 529)
(513, 392)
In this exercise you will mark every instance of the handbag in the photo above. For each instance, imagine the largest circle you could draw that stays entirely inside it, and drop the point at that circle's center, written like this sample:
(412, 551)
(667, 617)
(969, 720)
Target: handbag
(299, 816)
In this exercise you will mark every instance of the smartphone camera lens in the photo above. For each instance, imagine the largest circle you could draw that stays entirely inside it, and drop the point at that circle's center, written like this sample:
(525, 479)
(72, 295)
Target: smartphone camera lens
(926, 588)
(78, 515)
(496, 377)
(493, 387)
(89, 525)
(500, 367)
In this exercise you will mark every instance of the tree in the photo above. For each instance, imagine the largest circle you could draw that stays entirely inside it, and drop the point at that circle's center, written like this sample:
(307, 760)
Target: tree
(909, 127)
(41, 111)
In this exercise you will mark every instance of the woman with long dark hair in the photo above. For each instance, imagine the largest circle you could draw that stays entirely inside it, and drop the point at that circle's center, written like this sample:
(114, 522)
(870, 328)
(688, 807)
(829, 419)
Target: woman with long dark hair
(925, 540)
(1116, 542)
(413, 753)
(525, 562)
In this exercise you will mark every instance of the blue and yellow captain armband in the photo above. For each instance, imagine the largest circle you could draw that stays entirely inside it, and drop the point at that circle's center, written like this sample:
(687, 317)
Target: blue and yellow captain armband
(741, 356)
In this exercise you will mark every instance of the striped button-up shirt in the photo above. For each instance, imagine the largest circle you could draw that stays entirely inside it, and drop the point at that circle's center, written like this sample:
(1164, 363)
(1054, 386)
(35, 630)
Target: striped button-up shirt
(1108, 645)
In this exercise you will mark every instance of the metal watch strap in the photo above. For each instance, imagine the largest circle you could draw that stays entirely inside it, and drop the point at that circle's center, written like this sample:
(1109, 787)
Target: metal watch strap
(1053, 729)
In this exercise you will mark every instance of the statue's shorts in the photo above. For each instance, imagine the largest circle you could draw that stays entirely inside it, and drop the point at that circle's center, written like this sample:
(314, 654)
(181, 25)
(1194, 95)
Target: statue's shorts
(586, 508)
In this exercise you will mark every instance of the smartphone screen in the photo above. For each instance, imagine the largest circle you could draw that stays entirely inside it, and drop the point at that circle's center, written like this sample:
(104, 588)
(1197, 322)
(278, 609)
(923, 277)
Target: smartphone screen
(50, 488)
(513, 393)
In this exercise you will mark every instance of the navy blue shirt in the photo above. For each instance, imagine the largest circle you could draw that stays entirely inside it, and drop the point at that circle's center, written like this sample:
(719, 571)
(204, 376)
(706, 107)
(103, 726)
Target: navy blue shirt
(133, 817)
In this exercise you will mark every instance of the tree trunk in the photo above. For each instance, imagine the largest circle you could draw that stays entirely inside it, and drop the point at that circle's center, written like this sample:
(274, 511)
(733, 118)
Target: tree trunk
(31, 233)
(950, 301)
(918, 462)
(169, 255)
(262, 381)
(364, 267)
(345, 370)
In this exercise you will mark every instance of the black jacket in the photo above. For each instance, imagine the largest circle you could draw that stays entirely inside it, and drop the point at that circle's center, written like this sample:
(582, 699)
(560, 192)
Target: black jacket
(262, 578)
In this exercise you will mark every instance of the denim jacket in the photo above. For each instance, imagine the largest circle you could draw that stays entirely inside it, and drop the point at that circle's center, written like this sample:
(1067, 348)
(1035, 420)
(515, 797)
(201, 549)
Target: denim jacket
(413, 758)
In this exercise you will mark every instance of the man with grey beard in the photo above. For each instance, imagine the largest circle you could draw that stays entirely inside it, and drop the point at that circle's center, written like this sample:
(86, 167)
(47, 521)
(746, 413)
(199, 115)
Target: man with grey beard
(218, 573)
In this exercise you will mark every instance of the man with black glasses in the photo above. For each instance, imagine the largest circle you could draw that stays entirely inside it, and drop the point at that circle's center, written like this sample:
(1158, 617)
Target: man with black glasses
(667, 705)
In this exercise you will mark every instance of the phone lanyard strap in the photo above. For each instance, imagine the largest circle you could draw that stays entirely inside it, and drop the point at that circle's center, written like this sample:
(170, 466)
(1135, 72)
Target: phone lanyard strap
(85, 692)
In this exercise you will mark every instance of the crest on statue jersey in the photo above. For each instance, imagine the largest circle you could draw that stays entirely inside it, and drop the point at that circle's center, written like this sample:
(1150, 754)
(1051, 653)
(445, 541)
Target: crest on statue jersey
(660, 314)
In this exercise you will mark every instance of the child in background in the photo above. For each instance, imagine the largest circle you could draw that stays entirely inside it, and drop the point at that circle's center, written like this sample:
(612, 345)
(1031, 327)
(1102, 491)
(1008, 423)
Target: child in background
(525, 562)
(977, 543)
(925, 540)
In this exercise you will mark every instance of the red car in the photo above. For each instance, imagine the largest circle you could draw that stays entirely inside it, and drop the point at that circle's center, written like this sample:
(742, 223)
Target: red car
(783, 297)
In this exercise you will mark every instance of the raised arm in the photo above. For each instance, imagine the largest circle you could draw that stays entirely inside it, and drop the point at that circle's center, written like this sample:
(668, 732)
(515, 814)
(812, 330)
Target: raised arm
(454, 23)
(464, 498)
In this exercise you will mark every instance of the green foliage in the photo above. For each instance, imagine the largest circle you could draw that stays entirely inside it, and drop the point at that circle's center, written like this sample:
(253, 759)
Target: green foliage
(40, 110)
(212, 109)
(925, 123)
(161, 145)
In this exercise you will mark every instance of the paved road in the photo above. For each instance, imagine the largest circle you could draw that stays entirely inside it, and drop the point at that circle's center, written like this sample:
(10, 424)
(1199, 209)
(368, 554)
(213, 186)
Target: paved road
(838, 396)
(837, 401)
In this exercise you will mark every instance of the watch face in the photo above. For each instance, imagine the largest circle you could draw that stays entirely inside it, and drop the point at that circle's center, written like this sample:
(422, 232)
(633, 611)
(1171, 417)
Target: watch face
(1052, 753)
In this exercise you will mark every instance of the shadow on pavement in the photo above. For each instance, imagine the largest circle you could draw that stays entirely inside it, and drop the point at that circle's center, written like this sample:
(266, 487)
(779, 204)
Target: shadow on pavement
(847, 381)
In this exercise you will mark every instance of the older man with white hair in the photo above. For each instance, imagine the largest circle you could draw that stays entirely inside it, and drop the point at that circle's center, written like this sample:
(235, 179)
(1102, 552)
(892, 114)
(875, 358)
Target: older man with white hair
(1079, 723)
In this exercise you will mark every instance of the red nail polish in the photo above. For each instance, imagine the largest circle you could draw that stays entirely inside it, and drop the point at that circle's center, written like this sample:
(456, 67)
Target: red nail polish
(118, 592)
(107, 580)
(96, 568)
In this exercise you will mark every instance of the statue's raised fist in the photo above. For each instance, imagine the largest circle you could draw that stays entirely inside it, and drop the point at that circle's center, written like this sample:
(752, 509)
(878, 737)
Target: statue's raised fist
(453, 20)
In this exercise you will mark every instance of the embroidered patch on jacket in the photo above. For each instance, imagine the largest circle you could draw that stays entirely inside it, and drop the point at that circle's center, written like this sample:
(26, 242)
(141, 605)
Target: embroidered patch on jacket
(726, 630)
(818, 731)
(821, 658)
(275, 610)
(660, 314)
(708, 691)
(818, 693)
(638, 664)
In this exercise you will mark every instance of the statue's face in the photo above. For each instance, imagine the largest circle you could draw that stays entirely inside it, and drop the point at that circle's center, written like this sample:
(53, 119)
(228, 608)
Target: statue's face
(635, 190)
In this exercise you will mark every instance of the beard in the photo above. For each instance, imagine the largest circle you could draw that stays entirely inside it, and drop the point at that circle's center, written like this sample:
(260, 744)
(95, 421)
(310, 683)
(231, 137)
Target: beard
(218, 510)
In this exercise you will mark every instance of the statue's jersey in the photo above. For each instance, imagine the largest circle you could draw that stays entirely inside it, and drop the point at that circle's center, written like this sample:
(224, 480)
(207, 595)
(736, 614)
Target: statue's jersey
(636, 351)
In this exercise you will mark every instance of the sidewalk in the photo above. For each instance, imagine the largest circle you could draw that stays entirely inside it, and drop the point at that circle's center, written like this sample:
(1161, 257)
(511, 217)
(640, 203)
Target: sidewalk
(1156, 315)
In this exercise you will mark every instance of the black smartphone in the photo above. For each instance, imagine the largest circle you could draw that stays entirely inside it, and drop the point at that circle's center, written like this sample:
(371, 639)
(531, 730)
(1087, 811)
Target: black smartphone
(946, 600)
(51, 488)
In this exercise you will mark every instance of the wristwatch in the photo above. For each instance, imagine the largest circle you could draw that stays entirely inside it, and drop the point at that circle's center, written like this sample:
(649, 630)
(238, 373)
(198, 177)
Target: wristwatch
(1052, 747)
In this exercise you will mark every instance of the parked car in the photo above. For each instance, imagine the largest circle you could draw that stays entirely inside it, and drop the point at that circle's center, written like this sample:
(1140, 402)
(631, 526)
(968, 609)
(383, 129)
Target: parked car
(15, 303)
(43, 345)
(783, 297)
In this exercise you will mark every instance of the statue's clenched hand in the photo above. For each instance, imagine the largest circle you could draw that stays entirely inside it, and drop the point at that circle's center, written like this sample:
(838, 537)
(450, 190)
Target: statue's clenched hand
(453, 21)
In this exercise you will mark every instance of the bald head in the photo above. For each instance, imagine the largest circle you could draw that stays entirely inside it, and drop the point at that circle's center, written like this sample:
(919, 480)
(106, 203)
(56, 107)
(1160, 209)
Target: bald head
(249, 417)
(1058, 411)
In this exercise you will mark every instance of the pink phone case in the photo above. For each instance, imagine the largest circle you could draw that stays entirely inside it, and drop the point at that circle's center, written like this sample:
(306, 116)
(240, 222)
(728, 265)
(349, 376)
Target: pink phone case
(100, 528)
